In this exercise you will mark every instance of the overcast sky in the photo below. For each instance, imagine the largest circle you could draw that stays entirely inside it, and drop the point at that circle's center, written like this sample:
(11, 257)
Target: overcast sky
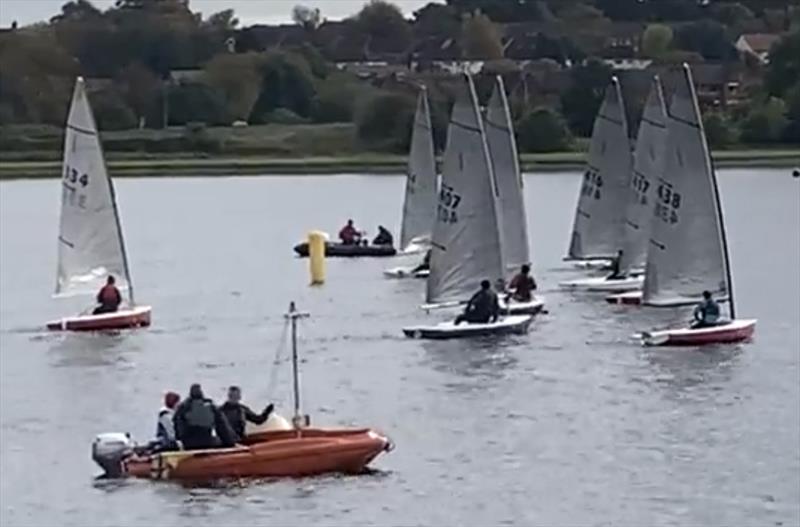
(248, 11)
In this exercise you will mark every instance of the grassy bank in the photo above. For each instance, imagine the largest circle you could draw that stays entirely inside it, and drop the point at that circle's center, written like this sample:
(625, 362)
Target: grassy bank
(35, 151)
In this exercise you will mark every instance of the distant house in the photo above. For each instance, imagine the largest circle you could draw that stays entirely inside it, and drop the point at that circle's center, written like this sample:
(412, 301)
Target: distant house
(628, 63)
(757, 45)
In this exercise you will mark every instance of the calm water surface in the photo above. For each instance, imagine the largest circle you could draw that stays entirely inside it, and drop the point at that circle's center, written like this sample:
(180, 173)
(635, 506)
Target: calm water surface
(572, 424)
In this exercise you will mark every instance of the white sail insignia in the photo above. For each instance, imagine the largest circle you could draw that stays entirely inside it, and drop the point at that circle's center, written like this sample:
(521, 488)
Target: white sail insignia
(90, 245)
(600, 214)
(419, 207)
(505, 164)
(686, 254)
(466, 244)
(647, 168)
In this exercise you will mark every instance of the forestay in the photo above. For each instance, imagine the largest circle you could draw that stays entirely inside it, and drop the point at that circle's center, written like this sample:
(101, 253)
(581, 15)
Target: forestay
(686, 253)
(419, 208)
(647, 168)
(600, 215)
(505, 163)
(466, 245)
(90, 245)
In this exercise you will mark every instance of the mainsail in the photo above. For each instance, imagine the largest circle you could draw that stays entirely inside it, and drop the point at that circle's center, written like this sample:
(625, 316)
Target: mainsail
(90, 245)
(505, 163)
(466, 244)
(419, 207)
(647, 168)
(600, 215)
(686, 254)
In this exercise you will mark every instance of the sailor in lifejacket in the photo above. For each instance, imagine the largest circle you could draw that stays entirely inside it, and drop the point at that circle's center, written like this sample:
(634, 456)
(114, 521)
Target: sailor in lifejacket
(425, 265)
(522, 285)
(616, 272)
(165, 427)
(384, 237)
(349, 235)
(108, 297)
(238, 414)
(483, 307)
(196, 420)
(706, 313)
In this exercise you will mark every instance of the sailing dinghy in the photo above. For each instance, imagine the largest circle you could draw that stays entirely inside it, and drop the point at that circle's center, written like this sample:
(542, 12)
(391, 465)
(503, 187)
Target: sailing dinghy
(419, 207)
(647, 169)
(688, 251)
(90, 242)
(504, 157)
(467, 239)
(599, 227)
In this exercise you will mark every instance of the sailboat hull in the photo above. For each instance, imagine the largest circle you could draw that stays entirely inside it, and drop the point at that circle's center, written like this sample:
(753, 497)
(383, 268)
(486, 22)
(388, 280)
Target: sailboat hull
(137, 317)
(334, 250)
(603, 284)
(406, 272)
(449, 330)
(630, 298)
(514, 307)
(732, 331)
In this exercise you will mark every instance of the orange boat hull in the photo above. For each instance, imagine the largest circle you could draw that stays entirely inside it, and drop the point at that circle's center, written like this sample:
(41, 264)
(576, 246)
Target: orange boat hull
(275, 454)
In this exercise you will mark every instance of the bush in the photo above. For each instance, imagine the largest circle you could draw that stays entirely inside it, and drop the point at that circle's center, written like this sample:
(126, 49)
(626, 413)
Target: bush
(196, 102)
(112, 112)
(284, 116)
(384, 122)
(336, 100)
(542, 130)
(766, 122)
(198, 138)
(719, 130)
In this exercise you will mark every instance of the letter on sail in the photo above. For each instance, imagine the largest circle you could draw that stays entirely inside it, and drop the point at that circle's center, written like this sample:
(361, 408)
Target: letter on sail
(599, 217)
(686, 253)
(466, 245)
(419, 207)
(505, 163)
(90, 245)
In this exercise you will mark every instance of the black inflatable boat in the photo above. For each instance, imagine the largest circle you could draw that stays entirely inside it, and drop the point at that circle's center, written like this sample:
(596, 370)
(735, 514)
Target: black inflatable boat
(348, 251)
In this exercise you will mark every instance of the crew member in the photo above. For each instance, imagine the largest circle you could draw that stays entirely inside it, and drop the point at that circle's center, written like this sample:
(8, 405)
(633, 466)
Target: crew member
(349, 235)
(483, 307)
(238, 414)
(706, 313)
(384, 237)
(196, 420)
(109, 297)
(523, 285)
(165, 427)
(616, 271)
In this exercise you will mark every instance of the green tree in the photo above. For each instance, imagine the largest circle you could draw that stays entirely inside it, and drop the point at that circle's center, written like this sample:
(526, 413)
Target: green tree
(792, 132)
(286, 82)
(766, 122)
(480, 38)
(141, 90)
(656, 40)
(542, 130)
(238, 78)
(706, 37)
(306, 17)
(336, 99)
(784, 64)
(111, 111)
(719, 130)
(385, 120)
(436, 19)
(502, 10)
(384, 25)
(194, 102)
(581, 101)
(225, 21)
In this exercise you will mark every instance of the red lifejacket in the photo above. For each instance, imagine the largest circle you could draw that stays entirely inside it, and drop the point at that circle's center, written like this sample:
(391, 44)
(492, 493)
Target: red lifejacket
(109, 296)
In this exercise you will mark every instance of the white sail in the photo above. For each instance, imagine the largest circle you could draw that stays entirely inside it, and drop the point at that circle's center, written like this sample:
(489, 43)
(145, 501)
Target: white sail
(686, 254)
(600, 215)
(648, 161)
(90, 245)
(419, 207)
(466, 244)
(505, 163)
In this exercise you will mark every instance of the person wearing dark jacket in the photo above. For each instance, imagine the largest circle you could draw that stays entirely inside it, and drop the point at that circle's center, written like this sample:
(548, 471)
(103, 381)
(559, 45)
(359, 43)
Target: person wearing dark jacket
(483, 307)
(384, 237)
(238, 414)
(616, 272)
(522, 285)
(108, 297)
(197, 419)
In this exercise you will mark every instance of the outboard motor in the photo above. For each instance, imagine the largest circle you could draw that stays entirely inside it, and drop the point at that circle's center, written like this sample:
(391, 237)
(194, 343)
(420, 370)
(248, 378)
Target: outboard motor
(110, 450)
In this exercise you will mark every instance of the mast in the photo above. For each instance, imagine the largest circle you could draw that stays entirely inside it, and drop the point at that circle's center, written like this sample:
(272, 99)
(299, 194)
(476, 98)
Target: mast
(717, 200)
(293, 315)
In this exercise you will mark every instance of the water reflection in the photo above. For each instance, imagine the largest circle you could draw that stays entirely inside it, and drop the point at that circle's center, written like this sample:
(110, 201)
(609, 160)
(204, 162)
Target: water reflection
(485, 359)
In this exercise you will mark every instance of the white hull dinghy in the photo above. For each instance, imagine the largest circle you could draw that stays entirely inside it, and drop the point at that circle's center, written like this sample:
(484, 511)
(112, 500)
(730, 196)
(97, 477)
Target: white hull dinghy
(515, 307)
(688, 249)
(512, 324)
(406, 272)
(603, 284)
(90, 242)
(466, 245)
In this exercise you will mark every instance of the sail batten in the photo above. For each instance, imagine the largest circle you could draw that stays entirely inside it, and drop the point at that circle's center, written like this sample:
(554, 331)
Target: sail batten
(598, 228)
(90, 236)
(419, 206)
(686, 249)
(466, 242)
(505, 165)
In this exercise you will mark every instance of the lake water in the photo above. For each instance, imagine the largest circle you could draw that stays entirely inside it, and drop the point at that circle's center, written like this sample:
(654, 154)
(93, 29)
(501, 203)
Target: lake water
(572, 424)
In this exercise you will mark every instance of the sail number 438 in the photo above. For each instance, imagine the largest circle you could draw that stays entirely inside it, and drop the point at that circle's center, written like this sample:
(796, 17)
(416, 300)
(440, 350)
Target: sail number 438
(668, 204)
(449, 199)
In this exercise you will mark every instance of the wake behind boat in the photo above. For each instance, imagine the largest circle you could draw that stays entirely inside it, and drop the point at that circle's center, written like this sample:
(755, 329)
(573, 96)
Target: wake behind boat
(294, 451)
(90, 243)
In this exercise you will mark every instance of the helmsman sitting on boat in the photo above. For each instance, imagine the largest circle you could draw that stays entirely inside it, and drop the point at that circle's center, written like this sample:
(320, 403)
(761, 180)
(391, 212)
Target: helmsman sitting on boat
(349, 235)
(616, 271)
(425, 265)
(197, 419)
(706, 313)
(238, 414)
(384, 237)
(108, 297)
(483, 307)
(522, 286)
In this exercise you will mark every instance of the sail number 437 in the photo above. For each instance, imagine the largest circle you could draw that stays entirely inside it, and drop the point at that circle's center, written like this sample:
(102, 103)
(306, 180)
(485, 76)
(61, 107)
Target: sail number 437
(449, 199)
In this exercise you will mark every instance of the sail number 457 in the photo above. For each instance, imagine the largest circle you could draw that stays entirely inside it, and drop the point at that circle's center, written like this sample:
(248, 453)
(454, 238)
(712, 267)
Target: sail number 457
(449, 200)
